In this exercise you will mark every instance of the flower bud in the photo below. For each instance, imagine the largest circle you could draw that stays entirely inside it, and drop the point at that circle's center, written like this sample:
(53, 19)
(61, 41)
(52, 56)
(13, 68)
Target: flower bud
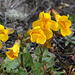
(20, 36)
(54, 12)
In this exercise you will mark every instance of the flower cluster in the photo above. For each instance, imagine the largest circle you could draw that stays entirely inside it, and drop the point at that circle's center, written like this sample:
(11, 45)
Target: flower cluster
(13, 53)
(3, 35)
(43, 27)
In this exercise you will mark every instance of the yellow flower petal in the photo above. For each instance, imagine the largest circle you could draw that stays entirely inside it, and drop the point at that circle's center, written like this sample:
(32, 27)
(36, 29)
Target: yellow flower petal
(47, 16)
(16, 48)
(43, 15)
(45, 25)
(11, 55)
(38, 38)
(6, 31)
(54, 25)
(1, 27)
(66, 32)
(0, 45)
(33, 37)
(37, 35)
(63, 18)
(3, 37)
(57, 17)
(68, 23)
(36, 23)
(48, 33)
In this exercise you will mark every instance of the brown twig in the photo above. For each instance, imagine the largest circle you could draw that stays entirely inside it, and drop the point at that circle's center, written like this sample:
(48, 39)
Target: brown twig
(16, 35)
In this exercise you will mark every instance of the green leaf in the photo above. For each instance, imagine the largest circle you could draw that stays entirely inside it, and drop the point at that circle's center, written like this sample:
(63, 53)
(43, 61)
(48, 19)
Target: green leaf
(37, 51)
(66, 43)
(9, 64)
(58, 73)
(50, 59)
(57, 68)
(45, 52)
(72, 18)
(73, 42)
(27, 59)
(26, 49)
(22, 71)
(73, 38)
(36, 69)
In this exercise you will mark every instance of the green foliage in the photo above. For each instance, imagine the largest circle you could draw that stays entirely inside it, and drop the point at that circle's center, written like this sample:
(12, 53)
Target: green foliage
(36, 69)
(72, 18)
(9, 64)
(37, 51)
(22, 71)
(45, 53)
(49, 59)
(67, 42)
(70, 39)
(58, 73)
(26, 49)
(27, 59)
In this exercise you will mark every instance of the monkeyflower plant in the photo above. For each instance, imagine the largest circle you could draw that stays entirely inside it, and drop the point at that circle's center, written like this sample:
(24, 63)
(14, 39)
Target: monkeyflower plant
(42, 32)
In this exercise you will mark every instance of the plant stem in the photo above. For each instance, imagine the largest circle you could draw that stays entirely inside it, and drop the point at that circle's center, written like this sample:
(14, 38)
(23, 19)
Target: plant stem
(22, 59)
(16, 35)
(40, 58)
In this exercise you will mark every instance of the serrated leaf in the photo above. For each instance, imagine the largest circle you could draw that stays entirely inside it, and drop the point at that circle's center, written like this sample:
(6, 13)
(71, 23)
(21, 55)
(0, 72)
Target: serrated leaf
(45, 52)
(66, 43)
(26, 49)
(27, 59)
(37, 51)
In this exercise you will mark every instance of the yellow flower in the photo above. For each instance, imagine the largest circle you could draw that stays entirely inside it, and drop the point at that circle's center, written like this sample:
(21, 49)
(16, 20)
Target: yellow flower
(45, 22)
(64, 24)
(13, 53)
(37, 35)
(0, 45)
(3, 35)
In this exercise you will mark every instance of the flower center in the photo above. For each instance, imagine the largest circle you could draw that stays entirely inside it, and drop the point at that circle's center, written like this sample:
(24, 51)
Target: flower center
(62, 24)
